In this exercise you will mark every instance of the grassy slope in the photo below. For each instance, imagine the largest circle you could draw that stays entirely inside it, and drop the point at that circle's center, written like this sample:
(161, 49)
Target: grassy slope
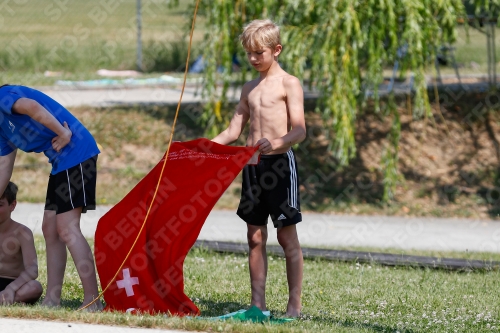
(449, 166)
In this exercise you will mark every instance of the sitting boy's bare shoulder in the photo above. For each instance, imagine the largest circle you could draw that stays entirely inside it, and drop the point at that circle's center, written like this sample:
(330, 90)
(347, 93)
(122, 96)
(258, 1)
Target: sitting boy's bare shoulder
(19, 230)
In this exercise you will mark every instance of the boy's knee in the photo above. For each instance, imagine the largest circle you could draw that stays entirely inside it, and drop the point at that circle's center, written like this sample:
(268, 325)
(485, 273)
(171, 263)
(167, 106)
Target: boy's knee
(48, 231)
(37, 288)
(48, 224)
(68, 233)
(36, 291)
(256, 239)
(30, 292)
(288, 236)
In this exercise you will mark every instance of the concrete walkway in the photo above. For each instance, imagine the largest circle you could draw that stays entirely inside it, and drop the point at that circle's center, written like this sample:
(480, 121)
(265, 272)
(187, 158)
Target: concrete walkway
(8, 325)
(331, 231)
(120, 96)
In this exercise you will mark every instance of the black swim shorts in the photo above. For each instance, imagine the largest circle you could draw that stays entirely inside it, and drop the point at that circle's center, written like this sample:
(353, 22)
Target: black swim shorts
(271, 188)
(73, 188)
(4, 282)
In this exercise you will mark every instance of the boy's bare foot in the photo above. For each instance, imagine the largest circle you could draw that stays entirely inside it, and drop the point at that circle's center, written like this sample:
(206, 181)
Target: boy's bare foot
(293, 312)
(94, 307)
(50, 303)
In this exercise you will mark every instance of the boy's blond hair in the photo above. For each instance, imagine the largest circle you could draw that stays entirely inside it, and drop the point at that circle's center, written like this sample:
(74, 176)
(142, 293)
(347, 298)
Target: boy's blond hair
(260, 33)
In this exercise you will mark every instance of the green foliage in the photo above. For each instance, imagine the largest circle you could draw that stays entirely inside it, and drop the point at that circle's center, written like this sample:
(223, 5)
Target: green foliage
(160, 56)
(341, 48)
(487, 8)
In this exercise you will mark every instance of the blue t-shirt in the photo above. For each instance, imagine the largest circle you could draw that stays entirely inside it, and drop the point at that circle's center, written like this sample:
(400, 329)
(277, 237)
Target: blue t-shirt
(21, 131)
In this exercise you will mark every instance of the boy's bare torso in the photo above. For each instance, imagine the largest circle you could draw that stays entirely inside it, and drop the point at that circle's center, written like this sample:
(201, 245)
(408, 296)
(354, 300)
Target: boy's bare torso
(11, 256)
(269, 118)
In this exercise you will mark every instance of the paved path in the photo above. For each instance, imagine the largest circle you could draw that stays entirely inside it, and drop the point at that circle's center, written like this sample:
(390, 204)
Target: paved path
(70, 96)
(120, 96)
(331, 231)
(38, 326)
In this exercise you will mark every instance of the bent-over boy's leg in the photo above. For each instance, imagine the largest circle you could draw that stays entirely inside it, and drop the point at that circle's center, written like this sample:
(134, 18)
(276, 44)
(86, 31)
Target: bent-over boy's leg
(257, 262)
(289, 241)
(56, 259)
(29, 293)
(68, 227)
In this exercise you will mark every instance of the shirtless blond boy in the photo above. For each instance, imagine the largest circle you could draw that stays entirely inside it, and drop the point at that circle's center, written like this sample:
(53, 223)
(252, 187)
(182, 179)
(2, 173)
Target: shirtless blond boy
(18, 261)
(273, 104)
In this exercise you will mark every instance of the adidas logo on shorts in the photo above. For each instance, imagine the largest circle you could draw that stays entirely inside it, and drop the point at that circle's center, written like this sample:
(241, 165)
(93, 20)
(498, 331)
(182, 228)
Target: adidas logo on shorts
(282, 217)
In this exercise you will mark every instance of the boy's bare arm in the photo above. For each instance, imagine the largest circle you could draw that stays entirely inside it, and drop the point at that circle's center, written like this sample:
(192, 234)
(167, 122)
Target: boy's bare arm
(34, 110)
(6, 167)
(295, 105)
(238, 122)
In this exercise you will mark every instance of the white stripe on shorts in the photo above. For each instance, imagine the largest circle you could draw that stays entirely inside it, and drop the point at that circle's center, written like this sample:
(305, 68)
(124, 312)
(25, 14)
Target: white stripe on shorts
(293, 180)
(69, 189)
(83, 185)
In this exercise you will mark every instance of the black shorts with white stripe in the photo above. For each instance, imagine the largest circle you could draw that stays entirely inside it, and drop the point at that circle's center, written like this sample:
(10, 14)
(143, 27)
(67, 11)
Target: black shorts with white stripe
(271, 188)
(73, 188)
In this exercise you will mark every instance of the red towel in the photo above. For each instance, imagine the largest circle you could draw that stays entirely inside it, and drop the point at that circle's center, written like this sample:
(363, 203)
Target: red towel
(196, 174)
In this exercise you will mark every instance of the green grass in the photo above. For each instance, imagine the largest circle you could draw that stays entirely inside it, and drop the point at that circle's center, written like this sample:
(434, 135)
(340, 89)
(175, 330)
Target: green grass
(79, 37)
(337, 297)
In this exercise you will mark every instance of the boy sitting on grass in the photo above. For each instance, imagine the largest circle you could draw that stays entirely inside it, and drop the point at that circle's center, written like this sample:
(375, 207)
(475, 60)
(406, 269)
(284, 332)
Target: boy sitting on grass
(18, 261)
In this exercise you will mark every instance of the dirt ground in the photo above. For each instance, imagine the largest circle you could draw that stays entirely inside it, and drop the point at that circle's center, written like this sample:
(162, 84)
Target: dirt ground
(448, 162)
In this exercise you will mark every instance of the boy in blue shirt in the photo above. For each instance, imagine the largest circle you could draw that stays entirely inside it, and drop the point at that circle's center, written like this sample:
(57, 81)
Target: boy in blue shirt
(33, 122)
